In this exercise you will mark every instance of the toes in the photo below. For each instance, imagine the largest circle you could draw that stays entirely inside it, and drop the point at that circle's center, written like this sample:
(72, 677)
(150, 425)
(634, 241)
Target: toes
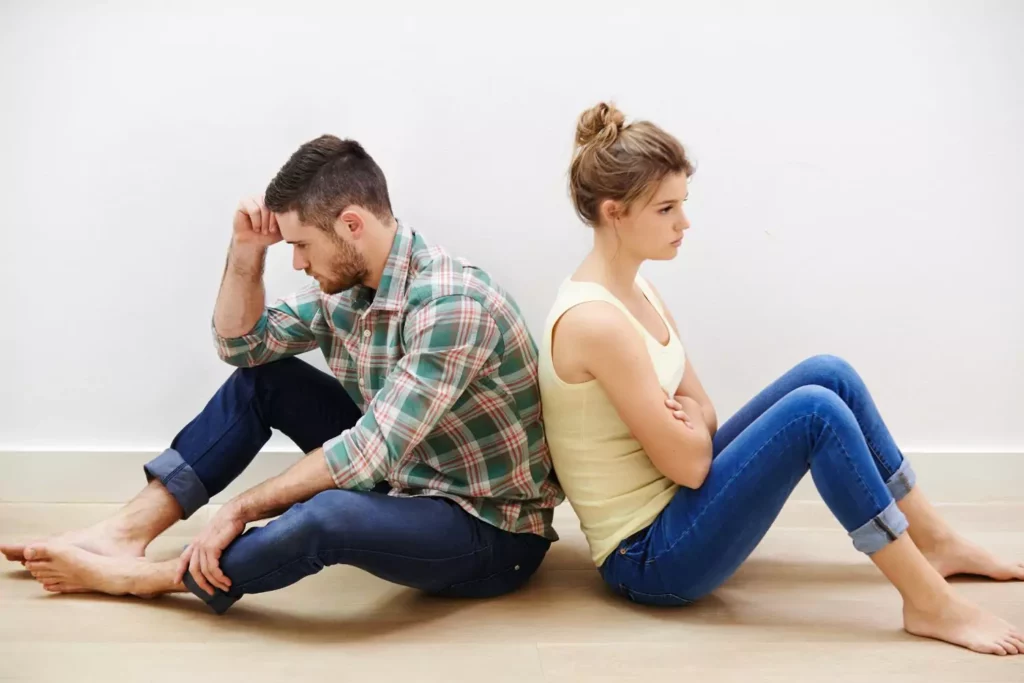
(37, 552)
(14, 553)
(1008, 645)
(42, 575)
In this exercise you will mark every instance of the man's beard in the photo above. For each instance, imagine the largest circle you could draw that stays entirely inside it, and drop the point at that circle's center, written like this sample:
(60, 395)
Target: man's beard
(347, 268)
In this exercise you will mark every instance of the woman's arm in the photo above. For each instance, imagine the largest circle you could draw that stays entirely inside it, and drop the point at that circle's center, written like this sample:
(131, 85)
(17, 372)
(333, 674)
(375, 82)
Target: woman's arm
(604, 344)
(691, 386)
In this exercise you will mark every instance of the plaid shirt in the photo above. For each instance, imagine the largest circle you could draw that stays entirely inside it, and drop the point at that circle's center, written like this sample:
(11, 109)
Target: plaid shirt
(444, 369)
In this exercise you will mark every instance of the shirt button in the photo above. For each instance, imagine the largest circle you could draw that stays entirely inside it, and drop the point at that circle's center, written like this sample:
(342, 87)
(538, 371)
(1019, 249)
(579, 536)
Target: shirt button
(362, 382)
(517, 567)
(622, 551)
(366, 334)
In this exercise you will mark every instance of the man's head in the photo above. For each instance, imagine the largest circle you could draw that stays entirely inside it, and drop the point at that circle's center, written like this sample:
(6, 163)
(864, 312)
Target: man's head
(332, 205)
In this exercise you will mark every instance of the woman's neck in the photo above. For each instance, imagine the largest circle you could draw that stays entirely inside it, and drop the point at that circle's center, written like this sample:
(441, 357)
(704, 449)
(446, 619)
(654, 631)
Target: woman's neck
(610, 265)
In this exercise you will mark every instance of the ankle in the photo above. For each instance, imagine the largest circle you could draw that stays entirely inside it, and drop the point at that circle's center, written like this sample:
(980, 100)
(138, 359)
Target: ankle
(934, 600)
(931, 540)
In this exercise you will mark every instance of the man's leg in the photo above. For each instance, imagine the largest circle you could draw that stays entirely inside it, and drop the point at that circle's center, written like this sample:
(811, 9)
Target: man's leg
(426, 543)
(309, 406)
(430, 544)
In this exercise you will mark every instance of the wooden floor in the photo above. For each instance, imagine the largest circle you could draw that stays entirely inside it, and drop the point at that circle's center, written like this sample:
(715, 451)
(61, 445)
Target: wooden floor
(806, 607)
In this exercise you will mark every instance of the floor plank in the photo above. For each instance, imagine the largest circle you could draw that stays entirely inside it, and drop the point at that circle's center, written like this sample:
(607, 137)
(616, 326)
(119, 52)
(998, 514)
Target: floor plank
(805, 607)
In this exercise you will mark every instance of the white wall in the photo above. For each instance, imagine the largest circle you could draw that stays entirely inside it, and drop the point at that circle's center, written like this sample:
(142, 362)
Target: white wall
(859, 185)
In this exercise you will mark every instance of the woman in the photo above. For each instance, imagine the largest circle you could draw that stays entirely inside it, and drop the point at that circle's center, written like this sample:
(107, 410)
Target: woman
(672, 505)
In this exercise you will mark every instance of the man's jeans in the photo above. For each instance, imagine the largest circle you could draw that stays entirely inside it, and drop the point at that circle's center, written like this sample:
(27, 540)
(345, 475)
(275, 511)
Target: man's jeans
(427, 543)
(818, 417)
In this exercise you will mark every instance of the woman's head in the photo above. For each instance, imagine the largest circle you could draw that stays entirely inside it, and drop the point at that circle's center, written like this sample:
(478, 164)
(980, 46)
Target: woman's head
(631, 179)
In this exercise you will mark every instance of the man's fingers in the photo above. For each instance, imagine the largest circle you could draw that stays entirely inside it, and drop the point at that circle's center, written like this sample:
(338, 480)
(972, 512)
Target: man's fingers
(216, 575)
(273, 223)
(264, 219)
(196, 570)
(183, 561)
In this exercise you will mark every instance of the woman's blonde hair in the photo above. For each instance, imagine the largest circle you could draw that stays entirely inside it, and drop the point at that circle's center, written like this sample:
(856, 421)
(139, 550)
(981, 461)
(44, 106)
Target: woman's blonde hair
(619, 161)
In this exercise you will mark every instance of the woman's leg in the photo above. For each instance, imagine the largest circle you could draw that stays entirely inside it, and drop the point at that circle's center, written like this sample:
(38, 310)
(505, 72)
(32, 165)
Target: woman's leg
(948, 552)
(704, 535)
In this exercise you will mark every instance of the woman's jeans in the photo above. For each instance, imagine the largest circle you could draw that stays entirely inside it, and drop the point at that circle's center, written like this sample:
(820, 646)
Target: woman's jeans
(428, 543)
(817, 417)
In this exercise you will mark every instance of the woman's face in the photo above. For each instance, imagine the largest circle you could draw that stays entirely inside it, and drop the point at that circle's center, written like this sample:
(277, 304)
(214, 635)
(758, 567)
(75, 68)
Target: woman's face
(653, 227)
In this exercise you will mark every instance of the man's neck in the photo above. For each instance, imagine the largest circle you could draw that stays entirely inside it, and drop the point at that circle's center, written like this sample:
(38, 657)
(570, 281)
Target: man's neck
(378, 252)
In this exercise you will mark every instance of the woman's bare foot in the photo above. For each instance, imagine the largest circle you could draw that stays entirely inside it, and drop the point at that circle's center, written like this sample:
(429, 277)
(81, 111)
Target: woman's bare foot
(104, 538)
(63, 568)
(962, 623)
(957, 555)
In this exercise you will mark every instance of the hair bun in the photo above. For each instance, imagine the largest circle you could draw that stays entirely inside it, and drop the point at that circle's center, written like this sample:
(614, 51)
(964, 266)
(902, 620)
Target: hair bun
(599, 125)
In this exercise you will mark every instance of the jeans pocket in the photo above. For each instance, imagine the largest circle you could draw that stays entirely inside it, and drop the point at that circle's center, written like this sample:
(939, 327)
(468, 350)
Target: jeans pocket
(654, 599)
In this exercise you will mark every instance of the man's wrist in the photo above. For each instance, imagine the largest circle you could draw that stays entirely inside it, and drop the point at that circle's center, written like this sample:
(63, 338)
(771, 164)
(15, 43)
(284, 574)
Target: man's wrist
(247, 259)
(238, 508)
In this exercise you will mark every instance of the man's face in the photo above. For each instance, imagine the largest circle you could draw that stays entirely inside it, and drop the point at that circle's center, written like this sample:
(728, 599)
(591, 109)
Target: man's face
(332, 259)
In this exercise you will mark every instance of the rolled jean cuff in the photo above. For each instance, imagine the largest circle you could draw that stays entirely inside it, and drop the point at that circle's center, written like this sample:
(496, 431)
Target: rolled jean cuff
(179, 479)
(219, 602)
(902, 480)
(880, 531)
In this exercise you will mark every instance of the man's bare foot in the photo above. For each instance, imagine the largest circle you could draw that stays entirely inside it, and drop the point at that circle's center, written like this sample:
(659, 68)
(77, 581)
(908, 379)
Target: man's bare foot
(957, 555)
(63, 568)
(962, 623)
(104, 538)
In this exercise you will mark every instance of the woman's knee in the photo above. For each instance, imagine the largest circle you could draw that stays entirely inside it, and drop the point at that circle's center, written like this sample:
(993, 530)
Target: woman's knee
(816, 400)
(827, 367)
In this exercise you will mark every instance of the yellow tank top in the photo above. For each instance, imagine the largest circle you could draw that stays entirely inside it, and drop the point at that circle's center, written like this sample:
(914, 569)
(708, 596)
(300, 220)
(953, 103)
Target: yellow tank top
(610, 482)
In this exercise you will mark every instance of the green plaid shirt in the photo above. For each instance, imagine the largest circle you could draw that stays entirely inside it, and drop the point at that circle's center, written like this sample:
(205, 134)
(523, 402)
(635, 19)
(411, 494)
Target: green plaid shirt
(442, 365)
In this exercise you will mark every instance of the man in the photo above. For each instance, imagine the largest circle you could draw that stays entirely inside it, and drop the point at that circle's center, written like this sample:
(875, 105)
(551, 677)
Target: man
(426, 461)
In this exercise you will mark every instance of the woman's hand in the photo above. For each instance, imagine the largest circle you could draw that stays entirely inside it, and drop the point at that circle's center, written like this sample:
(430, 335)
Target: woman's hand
(686, 410)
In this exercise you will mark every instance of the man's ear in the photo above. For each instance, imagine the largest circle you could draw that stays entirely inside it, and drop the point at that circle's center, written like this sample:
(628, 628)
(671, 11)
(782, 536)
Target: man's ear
(350, 224)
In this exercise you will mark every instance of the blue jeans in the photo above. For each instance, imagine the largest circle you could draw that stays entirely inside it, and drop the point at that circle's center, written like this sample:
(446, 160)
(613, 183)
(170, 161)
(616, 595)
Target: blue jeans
(427, 543)
(817, 417)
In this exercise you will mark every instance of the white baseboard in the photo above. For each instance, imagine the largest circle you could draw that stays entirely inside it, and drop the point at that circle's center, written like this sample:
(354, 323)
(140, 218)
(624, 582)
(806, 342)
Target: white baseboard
(114, 477)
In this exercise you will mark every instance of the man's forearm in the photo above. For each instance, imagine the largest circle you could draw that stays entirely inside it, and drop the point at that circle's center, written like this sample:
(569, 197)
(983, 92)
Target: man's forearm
(300, 482)
(242, 298)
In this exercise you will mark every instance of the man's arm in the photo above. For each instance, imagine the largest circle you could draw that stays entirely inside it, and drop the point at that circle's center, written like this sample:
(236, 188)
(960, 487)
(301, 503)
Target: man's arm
(300, 482)
(449, 342)
(246, 331)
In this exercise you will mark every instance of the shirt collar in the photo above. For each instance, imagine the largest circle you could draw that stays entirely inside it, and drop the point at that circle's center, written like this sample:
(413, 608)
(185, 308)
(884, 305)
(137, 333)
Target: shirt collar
(391, 292)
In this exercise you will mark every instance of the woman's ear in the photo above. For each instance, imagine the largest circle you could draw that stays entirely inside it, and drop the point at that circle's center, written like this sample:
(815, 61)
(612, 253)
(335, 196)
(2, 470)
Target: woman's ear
(610, 211)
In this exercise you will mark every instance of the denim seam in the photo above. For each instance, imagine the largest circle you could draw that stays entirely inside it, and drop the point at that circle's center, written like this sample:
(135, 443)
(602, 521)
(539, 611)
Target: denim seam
(720, 492)
(847, 454)
(875, 452)
(304, 558)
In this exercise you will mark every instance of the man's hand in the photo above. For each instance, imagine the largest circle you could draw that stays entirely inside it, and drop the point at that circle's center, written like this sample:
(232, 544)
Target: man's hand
(202, 558)
(255, 225)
